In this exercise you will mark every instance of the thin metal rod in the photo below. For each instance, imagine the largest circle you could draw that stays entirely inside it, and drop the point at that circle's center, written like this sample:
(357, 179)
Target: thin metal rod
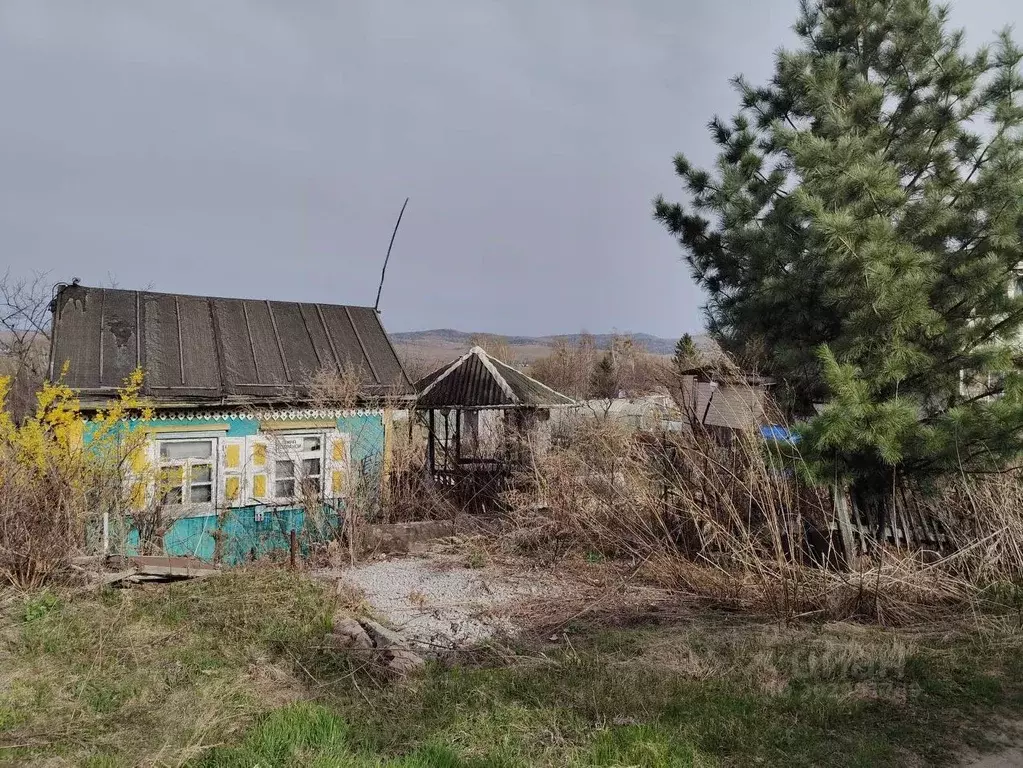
(387, 258)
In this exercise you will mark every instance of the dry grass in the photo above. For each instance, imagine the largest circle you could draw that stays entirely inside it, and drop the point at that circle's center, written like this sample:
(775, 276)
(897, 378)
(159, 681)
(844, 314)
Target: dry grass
(232, 670)
(720, 524)
(153, 676)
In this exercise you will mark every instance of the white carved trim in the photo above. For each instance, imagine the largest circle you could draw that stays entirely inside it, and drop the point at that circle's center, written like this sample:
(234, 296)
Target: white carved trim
(290, 414)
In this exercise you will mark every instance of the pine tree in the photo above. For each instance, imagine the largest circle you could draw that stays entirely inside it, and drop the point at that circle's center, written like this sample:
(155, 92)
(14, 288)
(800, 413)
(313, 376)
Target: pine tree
(604, 382)
(686, 354)
(860, 233)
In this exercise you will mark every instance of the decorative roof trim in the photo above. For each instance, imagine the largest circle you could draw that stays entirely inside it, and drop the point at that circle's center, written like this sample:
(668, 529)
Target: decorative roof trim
(296, 414)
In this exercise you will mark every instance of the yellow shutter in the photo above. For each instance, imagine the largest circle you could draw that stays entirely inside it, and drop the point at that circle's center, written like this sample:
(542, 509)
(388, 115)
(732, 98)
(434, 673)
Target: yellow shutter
(259, 455)
(337, 450)
(232, 487)
(259, 486)
(337, 482)
(233, 456)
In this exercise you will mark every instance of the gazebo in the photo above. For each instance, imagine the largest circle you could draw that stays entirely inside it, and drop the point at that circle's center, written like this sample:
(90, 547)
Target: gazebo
(484, 419)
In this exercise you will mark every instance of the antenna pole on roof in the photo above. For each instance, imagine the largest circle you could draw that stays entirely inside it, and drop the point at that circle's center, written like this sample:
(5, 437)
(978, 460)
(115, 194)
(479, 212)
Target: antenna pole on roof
(383, 271)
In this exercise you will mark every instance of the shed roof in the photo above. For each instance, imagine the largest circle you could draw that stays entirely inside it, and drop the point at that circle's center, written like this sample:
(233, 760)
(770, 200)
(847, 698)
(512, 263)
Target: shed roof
(728, 405)
(476, 380)
(202, 349)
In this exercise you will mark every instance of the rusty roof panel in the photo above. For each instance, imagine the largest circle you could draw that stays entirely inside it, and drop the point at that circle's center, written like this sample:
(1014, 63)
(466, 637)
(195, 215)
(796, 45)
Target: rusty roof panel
(118, 343)
(78, 348)
(203, 349)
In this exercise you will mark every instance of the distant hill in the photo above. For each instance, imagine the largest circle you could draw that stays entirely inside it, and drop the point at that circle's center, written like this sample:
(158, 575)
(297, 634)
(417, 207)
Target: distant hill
(436, 341)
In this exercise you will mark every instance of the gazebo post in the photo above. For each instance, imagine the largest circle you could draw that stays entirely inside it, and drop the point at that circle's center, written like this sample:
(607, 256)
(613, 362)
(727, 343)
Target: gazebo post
(458, 436)
(447, 441)
(431, 451)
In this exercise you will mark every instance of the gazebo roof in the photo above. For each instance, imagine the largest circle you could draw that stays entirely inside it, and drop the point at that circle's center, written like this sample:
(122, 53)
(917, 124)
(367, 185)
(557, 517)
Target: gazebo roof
(476, 380)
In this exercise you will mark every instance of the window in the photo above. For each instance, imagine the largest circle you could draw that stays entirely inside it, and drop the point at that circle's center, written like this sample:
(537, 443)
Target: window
(186, 472)
(298, 468)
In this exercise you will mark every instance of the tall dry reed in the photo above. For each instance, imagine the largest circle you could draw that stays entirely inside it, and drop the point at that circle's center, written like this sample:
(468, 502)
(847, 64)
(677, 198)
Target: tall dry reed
(715, 517)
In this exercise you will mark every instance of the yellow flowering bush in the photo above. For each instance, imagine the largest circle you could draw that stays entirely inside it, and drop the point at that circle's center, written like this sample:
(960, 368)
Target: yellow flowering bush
(57, 480)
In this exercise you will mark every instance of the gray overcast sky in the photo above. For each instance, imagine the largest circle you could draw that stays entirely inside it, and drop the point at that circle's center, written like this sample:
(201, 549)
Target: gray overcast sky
(263, 149)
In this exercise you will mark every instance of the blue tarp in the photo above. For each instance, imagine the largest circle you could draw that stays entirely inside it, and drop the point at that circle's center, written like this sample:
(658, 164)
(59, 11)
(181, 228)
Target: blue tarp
(780, 434)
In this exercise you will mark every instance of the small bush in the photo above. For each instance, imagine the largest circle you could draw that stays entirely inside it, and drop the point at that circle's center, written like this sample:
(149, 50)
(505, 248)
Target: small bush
(37, 607)
(55, 485)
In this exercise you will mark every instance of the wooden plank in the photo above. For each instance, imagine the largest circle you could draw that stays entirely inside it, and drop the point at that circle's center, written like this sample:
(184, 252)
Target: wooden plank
(166, 566)
(842, 515)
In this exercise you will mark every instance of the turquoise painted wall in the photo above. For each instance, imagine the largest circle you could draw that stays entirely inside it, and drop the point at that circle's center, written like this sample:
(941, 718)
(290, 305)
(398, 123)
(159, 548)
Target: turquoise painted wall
(239, 532)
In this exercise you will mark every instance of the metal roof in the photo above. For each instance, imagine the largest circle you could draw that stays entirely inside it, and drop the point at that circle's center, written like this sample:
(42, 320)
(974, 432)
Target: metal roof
(202, 349)
(729, 405)
(476, 380)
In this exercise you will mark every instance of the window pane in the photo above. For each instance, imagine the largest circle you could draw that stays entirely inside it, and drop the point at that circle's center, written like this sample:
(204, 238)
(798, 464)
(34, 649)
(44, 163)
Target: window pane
(311, 467)
(172, 496)
(284, 488)
(201, 494)
(285, 469)
(202, 473)
(310, 443)
(186, 449)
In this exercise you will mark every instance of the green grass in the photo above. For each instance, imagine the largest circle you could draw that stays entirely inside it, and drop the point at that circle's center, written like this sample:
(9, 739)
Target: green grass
(228, 672)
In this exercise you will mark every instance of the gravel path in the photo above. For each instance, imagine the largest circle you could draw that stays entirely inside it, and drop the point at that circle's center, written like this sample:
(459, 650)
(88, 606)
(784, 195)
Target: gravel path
(437, 601)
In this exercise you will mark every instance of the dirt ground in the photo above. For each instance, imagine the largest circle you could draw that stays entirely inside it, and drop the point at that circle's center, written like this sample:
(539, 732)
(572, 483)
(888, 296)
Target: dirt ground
(1008, 753)
(443, 597)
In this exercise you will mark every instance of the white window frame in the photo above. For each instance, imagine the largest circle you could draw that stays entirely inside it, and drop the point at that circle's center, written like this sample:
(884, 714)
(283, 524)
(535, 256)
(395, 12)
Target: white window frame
(189, 509)
(281, 453)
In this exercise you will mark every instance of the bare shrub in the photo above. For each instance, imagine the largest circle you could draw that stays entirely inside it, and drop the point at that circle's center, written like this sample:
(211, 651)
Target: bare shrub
(418, 364)
(333, 388)
(495, 346)
(380, 489)
(409, 495)
(568, 368)
(24, 337)
(583, 372)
